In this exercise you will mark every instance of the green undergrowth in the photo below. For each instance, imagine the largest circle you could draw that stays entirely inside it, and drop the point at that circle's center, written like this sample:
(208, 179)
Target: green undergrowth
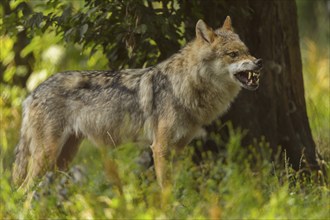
(240, 187)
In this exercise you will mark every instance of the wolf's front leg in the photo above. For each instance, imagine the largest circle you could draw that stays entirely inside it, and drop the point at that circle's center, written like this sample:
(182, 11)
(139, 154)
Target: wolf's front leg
(161, 152)
(161, 163)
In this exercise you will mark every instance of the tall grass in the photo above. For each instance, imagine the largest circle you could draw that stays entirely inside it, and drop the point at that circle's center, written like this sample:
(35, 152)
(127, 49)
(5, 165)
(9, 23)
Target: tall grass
(238, 188)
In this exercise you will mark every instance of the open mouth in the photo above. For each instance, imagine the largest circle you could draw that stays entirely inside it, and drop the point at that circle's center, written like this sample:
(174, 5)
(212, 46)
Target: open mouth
(249, 79)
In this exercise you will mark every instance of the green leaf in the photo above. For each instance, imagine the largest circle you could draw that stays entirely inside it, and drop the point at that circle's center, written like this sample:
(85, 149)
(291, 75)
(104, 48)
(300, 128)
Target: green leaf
(83, 30)
(141, 29)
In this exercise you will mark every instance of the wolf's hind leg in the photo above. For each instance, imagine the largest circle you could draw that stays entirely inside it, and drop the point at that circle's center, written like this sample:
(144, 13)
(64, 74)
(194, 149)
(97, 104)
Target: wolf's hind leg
(43, 157)
(68, 152)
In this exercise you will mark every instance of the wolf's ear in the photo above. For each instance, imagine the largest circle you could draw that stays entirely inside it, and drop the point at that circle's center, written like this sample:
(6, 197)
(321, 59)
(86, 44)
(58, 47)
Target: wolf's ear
(204, 32)
(227, 24)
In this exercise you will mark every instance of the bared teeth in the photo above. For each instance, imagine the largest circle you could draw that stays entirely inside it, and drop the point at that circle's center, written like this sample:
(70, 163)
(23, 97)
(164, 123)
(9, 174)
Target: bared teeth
(250, 74)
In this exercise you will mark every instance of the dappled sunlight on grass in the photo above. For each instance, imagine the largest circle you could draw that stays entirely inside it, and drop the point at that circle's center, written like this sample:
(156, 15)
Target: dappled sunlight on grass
(239, 188)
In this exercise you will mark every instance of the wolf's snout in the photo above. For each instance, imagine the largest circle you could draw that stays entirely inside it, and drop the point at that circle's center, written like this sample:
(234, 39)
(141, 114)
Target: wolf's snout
(249, 74)
(258, 62)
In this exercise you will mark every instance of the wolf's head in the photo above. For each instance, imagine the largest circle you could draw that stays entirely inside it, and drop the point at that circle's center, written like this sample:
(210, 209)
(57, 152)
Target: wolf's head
(227, 56)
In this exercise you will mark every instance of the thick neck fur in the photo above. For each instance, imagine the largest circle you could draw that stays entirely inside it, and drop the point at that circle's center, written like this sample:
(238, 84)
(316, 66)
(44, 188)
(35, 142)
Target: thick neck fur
(199, 86)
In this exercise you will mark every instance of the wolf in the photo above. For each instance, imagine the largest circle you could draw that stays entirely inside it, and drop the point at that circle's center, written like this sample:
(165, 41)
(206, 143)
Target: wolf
(166, 104)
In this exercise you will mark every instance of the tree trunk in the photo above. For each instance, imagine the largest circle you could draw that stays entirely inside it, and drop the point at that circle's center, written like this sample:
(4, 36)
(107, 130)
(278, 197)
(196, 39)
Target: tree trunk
(277, 110)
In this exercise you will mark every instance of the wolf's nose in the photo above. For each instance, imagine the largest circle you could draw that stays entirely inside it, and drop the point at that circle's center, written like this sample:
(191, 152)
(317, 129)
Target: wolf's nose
(258, 62)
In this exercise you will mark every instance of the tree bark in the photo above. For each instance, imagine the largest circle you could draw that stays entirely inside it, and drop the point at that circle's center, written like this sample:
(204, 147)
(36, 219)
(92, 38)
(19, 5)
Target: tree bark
(277, 110)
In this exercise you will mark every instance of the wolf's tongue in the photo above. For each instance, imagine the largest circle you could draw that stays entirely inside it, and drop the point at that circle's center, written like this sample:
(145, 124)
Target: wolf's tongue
(243, 78)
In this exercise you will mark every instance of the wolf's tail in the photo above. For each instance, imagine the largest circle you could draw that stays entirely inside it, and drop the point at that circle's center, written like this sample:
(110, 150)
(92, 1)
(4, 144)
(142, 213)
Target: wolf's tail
(22, 150)
(21, 162)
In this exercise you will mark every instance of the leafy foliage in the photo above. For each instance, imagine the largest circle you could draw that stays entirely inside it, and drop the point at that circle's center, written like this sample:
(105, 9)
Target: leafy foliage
(131, 33)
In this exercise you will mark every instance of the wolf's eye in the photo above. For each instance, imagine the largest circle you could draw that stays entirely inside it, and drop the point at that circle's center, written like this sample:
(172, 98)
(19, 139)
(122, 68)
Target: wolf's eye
(233, 54)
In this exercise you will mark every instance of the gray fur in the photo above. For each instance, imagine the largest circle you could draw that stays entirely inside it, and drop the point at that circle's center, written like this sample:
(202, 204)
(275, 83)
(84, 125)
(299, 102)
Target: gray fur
(165, 105)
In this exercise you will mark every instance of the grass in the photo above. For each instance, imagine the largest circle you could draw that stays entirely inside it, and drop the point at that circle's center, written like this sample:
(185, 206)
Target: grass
(234, 187)
(217, 189)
